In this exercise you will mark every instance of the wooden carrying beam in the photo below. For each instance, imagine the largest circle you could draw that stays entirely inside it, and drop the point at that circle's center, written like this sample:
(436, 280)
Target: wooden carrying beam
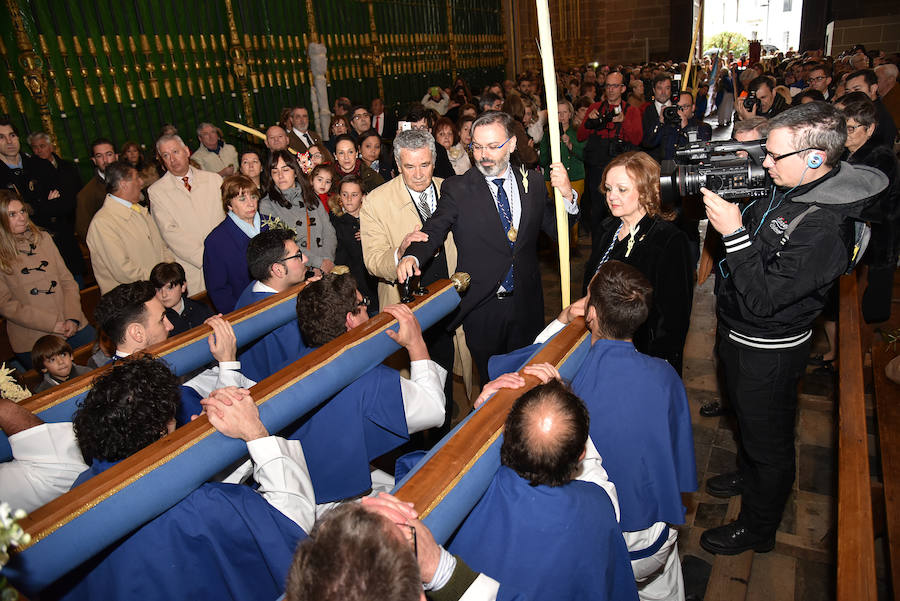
(90, 517)
(856, 539)
(184, 353)
(447, 483)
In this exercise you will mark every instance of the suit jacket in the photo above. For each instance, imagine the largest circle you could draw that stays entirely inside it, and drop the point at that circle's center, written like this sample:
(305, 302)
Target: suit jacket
(297, 143)
(225, 269)
(89, 201)
(125, 245)
(185, 219)
(467, 209)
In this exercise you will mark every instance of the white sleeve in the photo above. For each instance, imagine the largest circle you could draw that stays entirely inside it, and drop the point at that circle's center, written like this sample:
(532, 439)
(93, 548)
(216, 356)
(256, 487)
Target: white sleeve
(226, 374)
(552, 328)
(279, 467)
(591, 470)
(423, 395)
(484, 588)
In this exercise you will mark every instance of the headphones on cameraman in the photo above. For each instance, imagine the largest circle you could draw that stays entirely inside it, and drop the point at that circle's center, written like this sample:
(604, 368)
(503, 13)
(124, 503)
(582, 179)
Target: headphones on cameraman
(814, 161)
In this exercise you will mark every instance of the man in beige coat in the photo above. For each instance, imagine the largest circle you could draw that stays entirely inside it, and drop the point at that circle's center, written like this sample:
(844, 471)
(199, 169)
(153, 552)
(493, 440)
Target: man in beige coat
(186, 204)
(390, 219)
(214, 154)
(124, 240)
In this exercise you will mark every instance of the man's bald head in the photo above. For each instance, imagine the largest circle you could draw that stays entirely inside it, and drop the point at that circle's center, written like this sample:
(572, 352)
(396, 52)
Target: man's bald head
(545, 436)
(276, 138)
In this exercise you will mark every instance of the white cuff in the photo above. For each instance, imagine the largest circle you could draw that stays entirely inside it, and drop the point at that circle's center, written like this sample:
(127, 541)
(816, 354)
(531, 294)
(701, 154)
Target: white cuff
(444, 571)
(552, 328)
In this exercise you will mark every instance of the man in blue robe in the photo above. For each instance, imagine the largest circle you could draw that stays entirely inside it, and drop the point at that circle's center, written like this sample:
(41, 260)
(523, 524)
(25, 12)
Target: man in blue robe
(640, 424)
(135, 319)
(276, 263)
(376, 413)
(222, 541)
(536, 527)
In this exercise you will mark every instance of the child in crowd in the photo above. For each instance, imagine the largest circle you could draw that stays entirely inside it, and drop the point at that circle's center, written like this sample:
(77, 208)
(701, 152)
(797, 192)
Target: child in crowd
(323, 178)
(171, 290)
(345, 219)
(52, 356)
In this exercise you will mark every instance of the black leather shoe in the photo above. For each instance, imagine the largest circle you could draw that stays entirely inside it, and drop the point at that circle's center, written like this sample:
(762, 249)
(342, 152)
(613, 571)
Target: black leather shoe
(735, 538)
(712, 409)
(725, 485)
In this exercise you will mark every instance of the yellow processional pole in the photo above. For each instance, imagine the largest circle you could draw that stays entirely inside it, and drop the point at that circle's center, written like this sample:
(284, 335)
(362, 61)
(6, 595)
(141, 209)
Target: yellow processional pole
(562, 217)
(690, 60)
(254, 132)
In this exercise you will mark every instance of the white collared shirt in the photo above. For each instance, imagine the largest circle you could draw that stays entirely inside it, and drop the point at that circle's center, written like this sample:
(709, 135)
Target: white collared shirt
(304, 136)
(260, 287)
(431, 198)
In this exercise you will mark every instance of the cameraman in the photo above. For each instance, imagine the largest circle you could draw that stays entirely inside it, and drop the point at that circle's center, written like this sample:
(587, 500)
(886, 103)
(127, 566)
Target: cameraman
(667, 134)
(761, 100)
(611, 128)
(774, 284)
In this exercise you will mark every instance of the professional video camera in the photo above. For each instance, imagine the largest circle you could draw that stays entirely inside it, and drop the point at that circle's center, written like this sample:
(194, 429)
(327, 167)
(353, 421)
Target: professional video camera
(670, 113)
(717, 167)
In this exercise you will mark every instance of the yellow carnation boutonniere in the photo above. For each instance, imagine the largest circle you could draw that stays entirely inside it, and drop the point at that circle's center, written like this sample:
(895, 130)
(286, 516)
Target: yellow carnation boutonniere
(524, 173)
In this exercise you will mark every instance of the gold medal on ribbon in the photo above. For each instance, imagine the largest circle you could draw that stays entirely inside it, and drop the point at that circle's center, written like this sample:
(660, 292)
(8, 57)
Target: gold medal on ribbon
(511, 234)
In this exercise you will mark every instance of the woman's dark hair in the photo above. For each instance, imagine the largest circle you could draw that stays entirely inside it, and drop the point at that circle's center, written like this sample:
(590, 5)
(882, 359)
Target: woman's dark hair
(141, 162)
(859, 107)
(309, 200)
(127, 409)
(337, 118)
(514, 107)
(445, 122)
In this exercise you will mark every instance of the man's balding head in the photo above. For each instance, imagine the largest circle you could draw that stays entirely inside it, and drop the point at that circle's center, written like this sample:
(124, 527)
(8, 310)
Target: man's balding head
(545, 436)
(276, 138)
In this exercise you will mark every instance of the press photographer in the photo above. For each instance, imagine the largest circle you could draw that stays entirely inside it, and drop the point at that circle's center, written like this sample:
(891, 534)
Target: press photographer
(676, 127)
(782, 255)
(761, 100)
(611, 128)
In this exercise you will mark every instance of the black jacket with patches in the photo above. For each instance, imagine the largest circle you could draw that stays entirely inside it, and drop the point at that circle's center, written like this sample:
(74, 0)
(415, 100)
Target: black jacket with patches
(769, 288)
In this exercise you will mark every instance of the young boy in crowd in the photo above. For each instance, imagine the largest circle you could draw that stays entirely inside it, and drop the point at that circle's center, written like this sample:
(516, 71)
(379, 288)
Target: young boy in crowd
(52, 356)
(171, 290)
(345, 219)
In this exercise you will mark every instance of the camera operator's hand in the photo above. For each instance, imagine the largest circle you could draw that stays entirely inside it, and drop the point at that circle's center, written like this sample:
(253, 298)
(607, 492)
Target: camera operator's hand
(594, 114)
(620, 117)
(743, 113)
(723, 215)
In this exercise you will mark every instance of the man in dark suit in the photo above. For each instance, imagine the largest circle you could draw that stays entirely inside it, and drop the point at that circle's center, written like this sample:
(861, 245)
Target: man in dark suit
(301, 137)
(384, 122)
(495, 213)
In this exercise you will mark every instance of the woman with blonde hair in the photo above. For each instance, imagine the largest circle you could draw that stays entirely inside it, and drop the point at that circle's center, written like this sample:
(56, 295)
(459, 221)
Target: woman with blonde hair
(38, 295)
(639, 232)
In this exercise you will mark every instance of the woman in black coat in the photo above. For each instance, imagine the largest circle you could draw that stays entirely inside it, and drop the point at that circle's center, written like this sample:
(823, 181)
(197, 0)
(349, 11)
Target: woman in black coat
(639, 234)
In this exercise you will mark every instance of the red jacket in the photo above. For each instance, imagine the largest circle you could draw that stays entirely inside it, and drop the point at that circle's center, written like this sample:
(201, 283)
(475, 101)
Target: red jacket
(631, 129)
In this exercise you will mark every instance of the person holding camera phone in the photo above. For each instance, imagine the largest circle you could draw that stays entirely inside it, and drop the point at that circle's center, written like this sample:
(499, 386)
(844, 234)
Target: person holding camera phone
(783, 253)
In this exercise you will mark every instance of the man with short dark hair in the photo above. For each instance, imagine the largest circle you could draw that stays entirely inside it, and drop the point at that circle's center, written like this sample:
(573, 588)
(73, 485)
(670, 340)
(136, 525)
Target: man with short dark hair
(774, 285)
(276, 263)
(133, 406)
(135, 319)
(653, 119)
(819, 79)
(769, 102)
(537, 527)
(92, 195)
(489, 102)
(123, 238)
(360, 120)
(866, 81)
(640, 424)
(384, 122)
(495, 213)
(664, 138)
(377, 412)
